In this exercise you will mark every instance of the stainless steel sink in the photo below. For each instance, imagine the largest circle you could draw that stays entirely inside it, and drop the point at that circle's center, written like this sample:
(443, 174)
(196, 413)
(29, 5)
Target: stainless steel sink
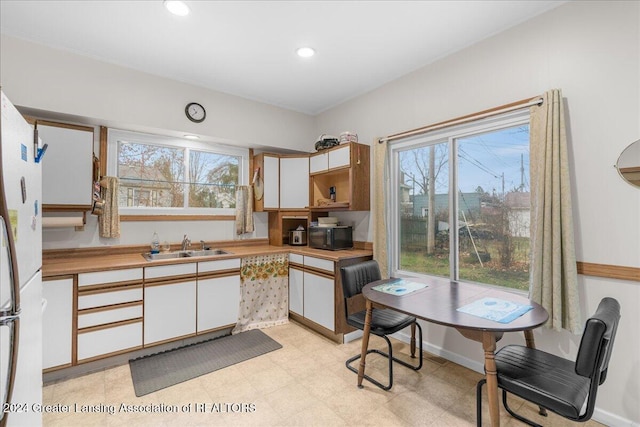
(207, 252)
(185, 254)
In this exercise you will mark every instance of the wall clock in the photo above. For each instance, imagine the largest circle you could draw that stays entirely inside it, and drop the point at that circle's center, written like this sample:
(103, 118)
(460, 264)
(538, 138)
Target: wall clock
(195, 112)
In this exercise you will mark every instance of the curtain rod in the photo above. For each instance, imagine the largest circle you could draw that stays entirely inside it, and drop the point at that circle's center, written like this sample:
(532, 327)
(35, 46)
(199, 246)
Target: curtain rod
(525, 103)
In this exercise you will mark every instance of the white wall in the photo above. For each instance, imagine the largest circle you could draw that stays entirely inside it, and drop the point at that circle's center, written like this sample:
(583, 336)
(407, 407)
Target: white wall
(590, 50)
(53, 80)
(64, 85)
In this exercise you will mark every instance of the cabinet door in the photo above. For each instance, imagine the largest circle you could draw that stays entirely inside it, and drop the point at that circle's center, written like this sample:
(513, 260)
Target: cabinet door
(67, 168)
(296, 291)
(218, 302)
(271, 177)
(319, 303)
(112, 339)
(294, 180)
(169, 311)
(319, 163)
(340, 157)
(57, 322)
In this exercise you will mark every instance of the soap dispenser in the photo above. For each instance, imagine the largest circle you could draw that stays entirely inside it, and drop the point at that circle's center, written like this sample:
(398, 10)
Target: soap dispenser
(155, 243)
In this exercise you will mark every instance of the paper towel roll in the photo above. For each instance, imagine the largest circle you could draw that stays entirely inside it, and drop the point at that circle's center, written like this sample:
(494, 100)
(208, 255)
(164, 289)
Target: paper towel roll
(62, 221)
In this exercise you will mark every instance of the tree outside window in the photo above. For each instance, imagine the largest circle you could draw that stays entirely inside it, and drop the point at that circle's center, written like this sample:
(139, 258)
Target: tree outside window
(153, 175)
(485, 232)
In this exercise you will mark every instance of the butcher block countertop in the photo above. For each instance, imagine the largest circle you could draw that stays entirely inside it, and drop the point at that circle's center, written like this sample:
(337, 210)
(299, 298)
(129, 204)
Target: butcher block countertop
(62, 262)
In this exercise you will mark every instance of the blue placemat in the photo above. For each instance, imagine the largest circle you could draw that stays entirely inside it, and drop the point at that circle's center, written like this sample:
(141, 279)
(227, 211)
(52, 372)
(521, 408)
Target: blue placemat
(496, 309)
(399, 287)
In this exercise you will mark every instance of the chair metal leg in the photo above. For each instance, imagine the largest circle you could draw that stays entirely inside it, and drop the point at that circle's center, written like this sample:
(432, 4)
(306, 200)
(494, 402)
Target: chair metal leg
(504, 402)
(391, 358)
(479, 402)
(514, 415)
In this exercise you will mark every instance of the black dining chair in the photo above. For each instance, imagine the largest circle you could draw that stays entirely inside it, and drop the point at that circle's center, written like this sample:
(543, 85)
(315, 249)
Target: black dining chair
(567, 388)
(383, 321)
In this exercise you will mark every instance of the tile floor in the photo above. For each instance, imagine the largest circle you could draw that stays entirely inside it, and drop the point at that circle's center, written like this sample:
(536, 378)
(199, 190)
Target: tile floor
(305, 383)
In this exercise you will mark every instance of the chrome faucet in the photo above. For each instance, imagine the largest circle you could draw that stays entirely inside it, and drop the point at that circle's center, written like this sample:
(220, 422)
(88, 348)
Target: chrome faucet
(186, 243)
(204, 247)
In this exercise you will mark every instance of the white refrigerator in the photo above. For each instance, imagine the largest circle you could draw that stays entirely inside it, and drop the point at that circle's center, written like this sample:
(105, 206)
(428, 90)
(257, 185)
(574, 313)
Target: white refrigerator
(21, 303)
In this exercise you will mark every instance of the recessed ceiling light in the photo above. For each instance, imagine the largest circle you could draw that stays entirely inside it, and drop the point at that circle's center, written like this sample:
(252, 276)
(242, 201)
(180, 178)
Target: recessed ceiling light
(305, 52)
(176, 7)
(192, 136)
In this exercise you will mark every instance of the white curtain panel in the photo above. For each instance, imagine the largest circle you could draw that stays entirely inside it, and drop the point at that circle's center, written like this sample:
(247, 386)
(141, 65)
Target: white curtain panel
(554, 278)
(380, 191)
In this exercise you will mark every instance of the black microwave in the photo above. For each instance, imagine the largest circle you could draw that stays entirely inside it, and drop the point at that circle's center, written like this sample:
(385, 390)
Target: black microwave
(332, 238)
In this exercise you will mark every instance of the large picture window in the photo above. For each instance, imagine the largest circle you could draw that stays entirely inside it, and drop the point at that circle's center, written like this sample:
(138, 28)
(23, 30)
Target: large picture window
(168, 175)
(461, 200)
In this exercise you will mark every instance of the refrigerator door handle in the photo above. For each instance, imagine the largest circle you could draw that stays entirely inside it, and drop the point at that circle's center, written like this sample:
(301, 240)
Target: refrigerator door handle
(14, 307)
(13, 323)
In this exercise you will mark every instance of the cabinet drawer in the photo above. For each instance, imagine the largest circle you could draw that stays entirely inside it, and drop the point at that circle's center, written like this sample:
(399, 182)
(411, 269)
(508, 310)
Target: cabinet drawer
(169, 270)
(298, 259)
(102, 317)
(109, 297)
(111, 276)
(218, 265)
(322, 264)
(109, 340)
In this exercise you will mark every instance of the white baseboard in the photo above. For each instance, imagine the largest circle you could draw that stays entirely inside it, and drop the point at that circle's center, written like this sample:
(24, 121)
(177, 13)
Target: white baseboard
(599, 415)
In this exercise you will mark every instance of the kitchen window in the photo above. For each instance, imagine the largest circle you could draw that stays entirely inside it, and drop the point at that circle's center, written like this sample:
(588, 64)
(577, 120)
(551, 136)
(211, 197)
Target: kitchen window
(164, 175)
(460, 198)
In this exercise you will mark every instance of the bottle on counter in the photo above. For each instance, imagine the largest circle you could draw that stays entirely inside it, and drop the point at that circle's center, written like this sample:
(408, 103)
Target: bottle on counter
(155, 243)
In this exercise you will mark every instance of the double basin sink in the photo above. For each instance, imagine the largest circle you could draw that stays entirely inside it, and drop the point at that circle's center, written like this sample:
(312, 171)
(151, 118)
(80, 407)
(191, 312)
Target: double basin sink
(185, 254)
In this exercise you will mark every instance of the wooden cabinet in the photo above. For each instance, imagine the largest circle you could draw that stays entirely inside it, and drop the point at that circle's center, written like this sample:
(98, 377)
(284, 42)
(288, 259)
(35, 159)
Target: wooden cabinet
(169, 302)
(284, 182)
(347, 171)
(57, 322)
(109, 313)
(281, 222)
(315, 294)
(67, 166)
(335, 157)
(312, 293)
(294, 186)
(218, 294)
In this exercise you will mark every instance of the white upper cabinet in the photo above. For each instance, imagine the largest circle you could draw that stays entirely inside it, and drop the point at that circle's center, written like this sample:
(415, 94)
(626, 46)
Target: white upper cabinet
(294, 183)
(340, 157)
(333, 158)
(319, 163)
(67, 166)
(271, 177)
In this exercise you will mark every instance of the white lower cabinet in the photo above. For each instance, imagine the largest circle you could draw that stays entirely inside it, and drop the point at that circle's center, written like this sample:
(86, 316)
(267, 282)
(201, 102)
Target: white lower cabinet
(311, 289)
(109, 339)
(169, 311)
(319, 305)
(296, 291)
(109, 320)
(218, 302)
(57, 321)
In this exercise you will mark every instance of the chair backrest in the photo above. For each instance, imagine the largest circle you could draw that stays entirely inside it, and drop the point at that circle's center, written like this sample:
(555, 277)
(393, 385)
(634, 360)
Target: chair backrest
(596, 346)
(356, 276)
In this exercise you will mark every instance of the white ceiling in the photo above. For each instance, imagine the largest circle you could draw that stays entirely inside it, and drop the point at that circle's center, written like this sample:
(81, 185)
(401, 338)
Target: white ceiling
(247, 48)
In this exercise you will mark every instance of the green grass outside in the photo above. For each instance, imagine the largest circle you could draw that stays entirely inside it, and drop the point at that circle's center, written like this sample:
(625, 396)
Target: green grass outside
(516, 276)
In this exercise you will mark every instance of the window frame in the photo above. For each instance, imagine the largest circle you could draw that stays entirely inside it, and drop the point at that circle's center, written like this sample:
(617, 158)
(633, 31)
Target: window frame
(114, 135)
(449, 135)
